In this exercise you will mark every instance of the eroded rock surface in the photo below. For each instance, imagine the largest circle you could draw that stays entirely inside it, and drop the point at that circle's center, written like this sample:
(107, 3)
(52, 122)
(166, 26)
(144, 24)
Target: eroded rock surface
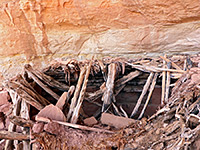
(45, 29)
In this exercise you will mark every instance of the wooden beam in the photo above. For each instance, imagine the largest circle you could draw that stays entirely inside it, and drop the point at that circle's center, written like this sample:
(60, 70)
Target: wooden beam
(167, 84)
(145, 88)
(39, 82)
(108, 94)
(76, 112)
(149, 95)
(14, 136)
(9, 145)
(25, 108)
(76, 126)
(173, 64)
(76, 93)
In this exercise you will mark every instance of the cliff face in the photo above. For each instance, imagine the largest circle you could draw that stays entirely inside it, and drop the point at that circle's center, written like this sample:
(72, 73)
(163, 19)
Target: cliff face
(30, 29)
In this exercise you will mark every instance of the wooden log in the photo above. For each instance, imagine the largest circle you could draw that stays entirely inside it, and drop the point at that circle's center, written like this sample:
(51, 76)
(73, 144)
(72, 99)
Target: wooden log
(16, 111)
(167, 84)
(76, 93)
(145, 88)
(19, 121)
(48, 79)
(154, 69)
(108, 94)
(65, 98)
(76, 112)
(173, 64)
(76, 126)
(40, 83)
(25, 108)
(119, 85)
(30, 90)
(22, 92)
(123, 111)
(116, 110)
(103, 69)
(127, 78)
(149, 95)
(14, 136)
(163, 83)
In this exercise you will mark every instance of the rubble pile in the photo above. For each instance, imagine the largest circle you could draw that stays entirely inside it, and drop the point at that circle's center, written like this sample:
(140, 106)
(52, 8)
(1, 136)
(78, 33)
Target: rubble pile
(51, 108)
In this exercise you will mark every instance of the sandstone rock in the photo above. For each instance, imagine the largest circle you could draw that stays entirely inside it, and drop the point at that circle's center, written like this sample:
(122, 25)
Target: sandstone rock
(116, 121)
(4, 97)
(90, 121)
(52, 112)
(2, 125)
(61, 101)
(38, 127)
(195, 78)
(30, 29)
(54, 128)
(5, 107)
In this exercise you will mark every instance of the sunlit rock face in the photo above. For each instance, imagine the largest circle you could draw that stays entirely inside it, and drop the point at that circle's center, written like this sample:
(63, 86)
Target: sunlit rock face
(39, 30)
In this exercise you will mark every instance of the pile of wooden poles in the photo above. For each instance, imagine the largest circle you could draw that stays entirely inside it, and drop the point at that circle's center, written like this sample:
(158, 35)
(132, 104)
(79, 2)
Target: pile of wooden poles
(70, 77)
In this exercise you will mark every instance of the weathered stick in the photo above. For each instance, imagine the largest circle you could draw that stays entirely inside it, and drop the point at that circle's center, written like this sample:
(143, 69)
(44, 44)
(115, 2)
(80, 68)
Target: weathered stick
(103, 69)
(167, 83)
(145, 88)
(19, 121)
(65, 98)
(116, 109)
(16, 111)
(127, 78)
(42, 85)
(76, 112)
(95, 95)
(25, 108)
(123, 111)
(31, 91)
(76, 94)
(22, 92)
(14, 136)
(173, 64)
(108, 94)
(154, 69)
(119, 85)
(49, 80)
(149, 95)
(42, 119)
(163, 84)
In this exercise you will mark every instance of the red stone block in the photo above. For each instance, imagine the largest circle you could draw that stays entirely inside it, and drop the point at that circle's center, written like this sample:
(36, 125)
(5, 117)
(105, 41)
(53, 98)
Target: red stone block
(116, 121)
(90, 121)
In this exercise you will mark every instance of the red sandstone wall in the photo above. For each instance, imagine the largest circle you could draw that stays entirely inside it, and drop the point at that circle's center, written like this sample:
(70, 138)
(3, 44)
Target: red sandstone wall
(55, 28)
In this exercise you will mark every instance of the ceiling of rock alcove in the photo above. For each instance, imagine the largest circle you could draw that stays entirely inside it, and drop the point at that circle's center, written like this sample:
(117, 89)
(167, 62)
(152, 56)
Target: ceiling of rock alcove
(34, 28)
